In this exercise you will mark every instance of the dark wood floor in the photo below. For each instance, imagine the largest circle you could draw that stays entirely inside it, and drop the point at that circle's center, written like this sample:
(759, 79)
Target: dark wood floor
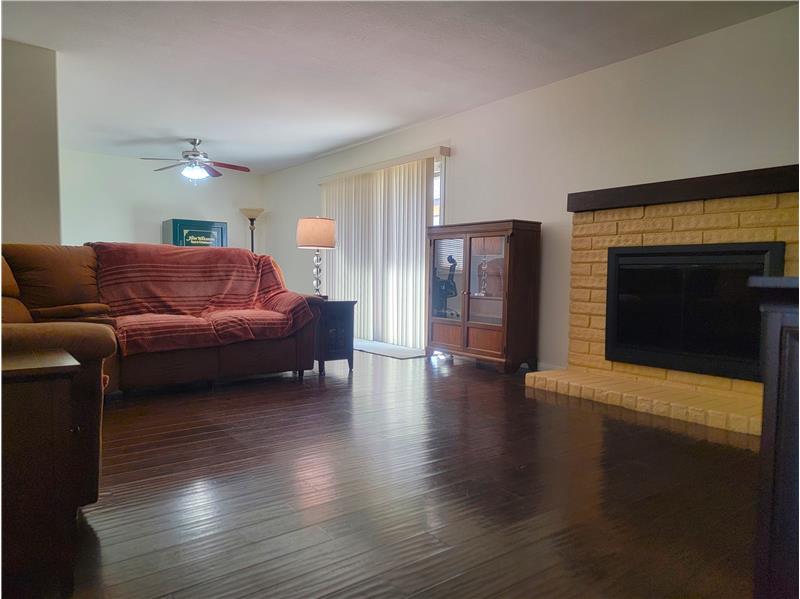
(407, 479)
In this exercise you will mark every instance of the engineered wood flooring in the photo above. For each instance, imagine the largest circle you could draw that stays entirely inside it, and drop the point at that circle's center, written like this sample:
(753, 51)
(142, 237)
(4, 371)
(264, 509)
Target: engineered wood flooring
(408, 479)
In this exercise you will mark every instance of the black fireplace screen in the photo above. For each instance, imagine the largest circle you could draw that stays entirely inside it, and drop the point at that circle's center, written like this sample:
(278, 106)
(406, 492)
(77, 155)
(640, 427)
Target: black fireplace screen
(688, 307)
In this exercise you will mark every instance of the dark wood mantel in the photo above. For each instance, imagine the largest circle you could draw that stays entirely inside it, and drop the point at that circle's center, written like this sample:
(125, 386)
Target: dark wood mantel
(776, 179)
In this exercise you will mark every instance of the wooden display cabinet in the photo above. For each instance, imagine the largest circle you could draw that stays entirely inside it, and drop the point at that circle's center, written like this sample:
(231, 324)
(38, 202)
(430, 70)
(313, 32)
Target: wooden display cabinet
(483, 291)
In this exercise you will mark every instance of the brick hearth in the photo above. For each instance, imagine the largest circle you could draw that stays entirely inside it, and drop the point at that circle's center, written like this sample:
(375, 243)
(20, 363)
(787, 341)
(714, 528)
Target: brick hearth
(719, 402)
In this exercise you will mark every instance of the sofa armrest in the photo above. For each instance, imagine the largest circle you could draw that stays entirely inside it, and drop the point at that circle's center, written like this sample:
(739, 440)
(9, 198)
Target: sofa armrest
(288, 302)
(313, 300)
(86, 342)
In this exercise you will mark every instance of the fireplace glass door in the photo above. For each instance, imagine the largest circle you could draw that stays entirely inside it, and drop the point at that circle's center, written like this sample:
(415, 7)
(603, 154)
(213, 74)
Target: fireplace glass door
(688, 307)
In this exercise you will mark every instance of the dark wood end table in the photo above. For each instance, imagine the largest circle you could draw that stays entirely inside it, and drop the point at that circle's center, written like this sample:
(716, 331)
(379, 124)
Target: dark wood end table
(39, 497)
(335, 333)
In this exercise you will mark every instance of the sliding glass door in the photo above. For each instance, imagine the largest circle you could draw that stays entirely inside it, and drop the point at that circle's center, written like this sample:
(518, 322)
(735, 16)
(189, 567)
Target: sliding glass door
(381, 219)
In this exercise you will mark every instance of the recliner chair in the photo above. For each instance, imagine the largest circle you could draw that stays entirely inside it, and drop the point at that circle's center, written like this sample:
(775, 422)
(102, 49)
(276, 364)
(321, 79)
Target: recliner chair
(89, 344)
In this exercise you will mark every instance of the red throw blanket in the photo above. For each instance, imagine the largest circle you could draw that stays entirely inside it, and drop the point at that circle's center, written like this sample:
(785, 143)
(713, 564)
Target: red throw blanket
(167, 297)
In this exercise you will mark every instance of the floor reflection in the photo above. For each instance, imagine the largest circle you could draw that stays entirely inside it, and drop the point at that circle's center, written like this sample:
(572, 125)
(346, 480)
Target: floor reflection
(405, 477)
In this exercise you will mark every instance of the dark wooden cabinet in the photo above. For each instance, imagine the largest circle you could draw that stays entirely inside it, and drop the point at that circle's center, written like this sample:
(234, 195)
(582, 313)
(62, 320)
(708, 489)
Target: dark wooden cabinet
(40, 497)
(776, 573)
(483, 296)
(335, 332)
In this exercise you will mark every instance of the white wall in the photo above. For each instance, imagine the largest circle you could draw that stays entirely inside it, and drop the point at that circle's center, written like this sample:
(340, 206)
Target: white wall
(112, 198)
(30, 144)
(721, 102)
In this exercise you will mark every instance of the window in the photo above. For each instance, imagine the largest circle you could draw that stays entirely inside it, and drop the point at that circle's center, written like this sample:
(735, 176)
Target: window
(437, 205)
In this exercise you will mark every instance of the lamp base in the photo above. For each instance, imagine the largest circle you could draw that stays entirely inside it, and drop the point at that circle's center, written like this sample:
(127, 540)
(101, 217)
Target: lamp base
(252, 234)
(317, 282)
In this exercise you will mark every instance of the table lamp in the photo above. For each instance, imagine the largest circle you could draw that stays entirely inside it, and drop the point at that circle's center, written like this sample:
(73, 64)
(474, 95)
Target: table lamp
(252, 214)
(316, 233)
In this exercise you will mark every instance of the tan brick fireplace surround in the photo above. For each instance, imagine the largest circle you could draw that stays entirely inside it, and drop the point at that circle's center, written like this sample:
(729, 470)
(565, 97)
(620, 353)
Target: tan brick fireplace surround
(722, 403)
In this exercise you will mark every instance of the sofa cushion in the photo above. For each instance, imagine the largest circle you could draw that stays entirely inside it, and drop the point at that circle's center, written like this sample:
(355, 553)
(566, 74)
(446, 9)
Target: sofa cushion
(139, 333)
(232, 326)
(10, 287)
(53, 275)
(135, 278)
(15, 311)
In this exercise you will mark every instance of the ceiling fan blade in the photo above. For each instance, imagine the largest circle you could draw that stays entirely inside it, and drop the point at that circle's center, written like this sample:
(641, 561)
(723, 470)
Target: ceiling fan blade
(167, 159)
(211, 170)
(234, 167)
(163, 168)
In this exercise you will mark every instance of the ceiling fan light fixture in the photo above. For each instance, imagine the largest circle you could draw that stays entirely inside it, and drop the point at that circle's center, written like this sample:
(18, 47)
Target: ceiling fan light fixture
(195, 172)
(197, 165)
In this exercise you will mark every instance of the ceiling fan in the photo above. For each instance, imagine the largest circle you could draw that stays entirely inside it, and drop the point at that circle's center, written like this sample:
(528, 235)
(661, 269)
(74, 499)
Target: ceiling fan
(196, 163)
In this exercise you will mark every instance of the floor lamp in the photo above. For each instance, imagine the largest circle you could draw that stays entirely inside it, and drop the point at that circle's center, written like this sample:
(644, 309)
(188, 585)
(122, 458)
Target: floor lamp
(316, 233)
(252, 214)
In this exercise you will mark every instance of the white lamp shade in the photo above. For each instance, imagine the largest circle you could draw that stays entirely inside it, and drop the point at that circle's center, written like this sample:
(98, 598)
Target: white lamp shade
(253, 213)
(316, 233)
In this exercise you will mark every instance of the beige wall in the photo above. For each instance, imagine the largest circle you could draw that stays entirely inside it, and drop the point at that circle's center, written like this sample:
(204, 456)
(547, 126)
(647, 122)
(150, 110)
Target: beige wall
(112, 198)
(30, 144)
(721, 102)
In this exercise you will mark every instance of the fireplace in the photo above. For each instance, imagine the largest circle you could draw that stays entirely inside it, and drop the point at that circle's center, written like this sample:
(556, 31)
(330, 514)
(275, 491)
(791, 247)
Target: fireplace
(635, 338)
(688, 307)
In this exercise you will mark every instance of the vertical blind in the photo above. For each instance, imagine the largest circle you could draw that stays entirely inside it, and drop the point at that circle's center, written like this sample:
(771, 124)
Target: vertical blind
(379, 258)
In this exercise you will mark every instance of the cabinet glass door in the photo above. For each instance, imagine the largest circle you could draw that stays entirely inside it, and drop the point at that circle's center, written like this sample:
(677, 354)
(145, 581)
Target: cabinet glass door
(487, 265)
(447, 282)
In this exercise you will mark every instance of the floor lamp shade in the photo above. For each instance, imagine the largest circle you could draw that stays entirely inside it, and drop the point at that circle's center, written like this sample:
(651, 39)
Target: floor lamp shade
(316, 233)
(252, 214)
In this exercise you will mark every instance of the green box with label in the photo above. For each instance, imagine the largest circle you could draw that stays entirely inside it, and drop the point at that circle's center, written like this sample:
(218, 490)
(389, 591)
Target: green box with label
(194, 233)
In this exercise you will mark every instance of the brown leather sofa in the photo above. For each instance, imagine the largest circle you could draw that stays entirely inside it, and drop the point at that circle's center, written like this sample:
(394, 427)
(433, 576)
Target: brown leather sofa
(59, 284)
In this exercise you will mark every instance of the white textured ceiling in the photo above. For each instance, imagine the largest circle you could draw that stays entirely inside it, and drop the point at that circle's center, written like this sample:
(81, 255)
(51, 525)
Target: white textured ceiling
(271, 84)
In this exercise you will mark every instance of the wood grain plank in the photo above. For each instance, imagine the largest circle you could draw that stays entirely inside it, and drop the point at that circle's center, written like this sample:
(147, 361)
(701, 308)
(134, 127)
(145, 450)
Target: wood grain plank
(407, 477)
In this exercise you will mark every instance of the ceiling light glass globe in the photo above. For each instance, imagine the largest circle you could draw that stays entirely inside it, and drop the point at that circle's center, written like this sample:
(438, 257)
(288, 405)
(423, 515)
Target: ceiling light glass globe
(194, 172)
